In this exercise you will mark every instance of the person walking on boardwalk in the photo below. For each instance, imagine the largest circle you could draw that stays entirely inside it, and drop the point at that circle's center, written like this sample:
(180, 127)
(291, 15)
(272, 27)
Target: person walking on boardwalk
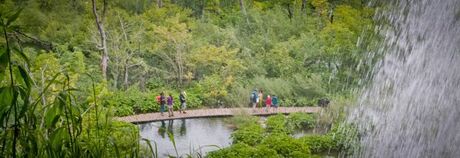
(183, 104)
(275, 102)
(268, 103)
(254, 99)
(170, 105)
(162, 103)
(260, 98)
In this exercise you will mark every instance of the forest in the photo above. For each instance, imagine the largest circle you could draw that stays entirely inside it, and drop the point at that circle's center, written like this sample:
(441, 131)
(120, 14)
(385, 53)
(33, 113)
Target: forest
(67, 67)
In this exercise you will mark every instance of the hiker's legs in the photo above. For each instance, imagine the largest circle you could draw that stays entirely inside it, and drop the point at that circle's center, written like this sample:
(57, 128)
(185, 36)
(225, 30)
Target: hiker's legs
(183, 107)
(170, 112)
(254, 106)
(261, 105)
(162, 109)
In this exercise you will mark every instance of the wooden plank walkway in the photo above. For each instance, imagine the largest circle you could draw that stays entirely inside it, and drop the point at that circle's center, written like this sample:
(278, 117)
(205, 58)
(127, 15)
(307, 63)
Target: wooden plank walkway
(148, 117)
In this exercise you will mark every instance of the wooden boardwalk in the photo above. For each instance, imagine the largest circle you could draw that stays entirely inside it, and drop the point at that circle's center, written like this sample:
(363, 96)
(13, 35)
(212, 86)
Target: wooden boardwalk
(148, 117)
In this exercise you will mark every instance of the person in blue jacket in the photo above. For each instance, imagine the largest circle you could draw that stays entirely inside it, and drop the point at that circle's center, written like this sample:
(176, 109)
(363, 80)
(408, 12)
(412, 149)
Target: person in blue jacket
(254, 99)
(275, 102)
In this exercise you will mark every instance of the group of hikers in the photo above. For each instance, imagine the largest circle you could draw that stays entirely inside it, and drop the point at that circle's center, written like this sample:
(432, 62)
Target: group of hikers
(257, 98)
(163, 101)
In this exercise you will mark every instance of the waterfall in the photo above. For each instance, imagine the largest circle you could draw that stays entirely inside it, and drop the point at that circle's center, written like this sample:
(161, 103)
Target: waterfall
(412, 106)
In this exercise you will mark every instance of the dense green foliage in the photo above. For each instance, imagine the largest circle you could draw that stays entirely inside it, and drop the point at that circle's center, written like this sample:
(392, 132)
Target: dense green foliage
(300, 120)
(242, 150)
(277, 124)
(68, 67)
(217, 51)
(295, 121)
(250, 134)
(252, 140)
(286, 146)
(54, 125)
(35, 123)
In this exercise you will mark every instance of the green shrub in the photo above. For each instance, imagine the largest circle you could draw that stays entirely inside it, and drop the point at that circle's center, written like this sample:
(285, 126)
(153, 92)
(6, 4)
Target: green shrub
(239, 96)
(286, 146)
(229, 152)
(145, 102)
(251, 140)
(319, 143)
(124, 111)
(131, 101)
(345, 137)
(277, 124)
(194, 100)
(278, 86)
(243, 120)
(287, 102)
(242, 150)
(250, 134)
(301, 120)
(264, 151)
(303, 101)
(134, 101)
(335, 113)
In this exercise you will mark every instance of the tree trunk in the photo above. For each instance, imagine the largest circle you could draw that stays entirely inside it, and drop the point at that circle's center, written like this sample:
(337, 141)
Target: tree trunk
(243, 10)
(181, 70)
(304, 6)
(142, 82)
(116, 77)
(125, 81)
(179, 64)
(203, 6)
(42, 72)
(100, 27)
(126, 61)
(160, 3)
(289, 11)
(331, 15)
(104, 63)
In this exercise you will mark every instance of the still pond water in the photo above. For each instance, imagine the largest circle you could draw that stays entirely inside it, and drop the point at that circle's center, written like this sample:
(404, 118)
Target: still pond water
(191, 135)
(198, 135)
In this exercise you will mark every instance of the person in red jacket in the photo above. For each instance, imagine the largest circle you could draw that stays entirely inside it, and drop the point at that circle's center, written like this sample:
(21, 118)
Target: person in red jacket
(268, 103)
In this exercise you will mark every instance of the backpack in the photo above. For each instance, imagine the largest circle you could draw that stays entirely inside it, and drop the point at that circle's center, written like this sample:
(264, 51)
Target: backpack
(158, 99)
(182, 98)
(253, 97)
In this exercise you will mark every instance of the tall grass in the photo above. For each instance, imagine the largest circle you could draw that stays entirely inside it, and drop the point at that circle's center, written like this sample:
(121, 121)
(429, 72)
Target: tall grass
(57, 127)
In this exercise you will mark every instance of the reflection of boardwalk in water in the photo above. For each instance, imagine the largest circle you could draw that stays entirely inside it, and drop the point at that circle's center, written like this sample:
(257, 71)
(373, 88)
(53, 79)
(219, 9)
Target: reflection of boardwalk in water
(214, 113)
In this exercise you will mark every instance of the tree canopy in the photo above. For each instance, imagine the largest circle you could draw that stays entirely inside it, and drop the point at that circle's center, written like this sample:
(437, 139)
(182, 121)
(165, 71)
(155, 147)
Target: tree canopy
(217, 50)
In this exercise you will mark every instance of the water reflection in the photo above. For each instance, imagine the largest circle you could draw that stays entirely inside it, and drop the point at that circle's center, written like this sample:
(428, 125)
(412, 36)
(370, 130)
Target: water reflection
(162, 129)
(190, 135)
(170, 127)
(183, 128)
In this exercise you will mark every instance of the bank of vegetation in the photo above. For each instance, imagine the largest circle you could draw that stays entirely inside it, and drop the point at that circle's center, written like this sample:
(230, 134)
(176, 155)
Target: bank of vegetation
(251, 139)
(68, 67)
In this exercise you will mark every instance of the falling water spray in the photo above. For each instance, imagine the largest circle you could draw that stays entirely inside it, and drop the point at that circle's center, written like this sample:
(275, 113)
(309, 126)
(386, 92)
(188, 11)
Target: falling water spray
(412, 106)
